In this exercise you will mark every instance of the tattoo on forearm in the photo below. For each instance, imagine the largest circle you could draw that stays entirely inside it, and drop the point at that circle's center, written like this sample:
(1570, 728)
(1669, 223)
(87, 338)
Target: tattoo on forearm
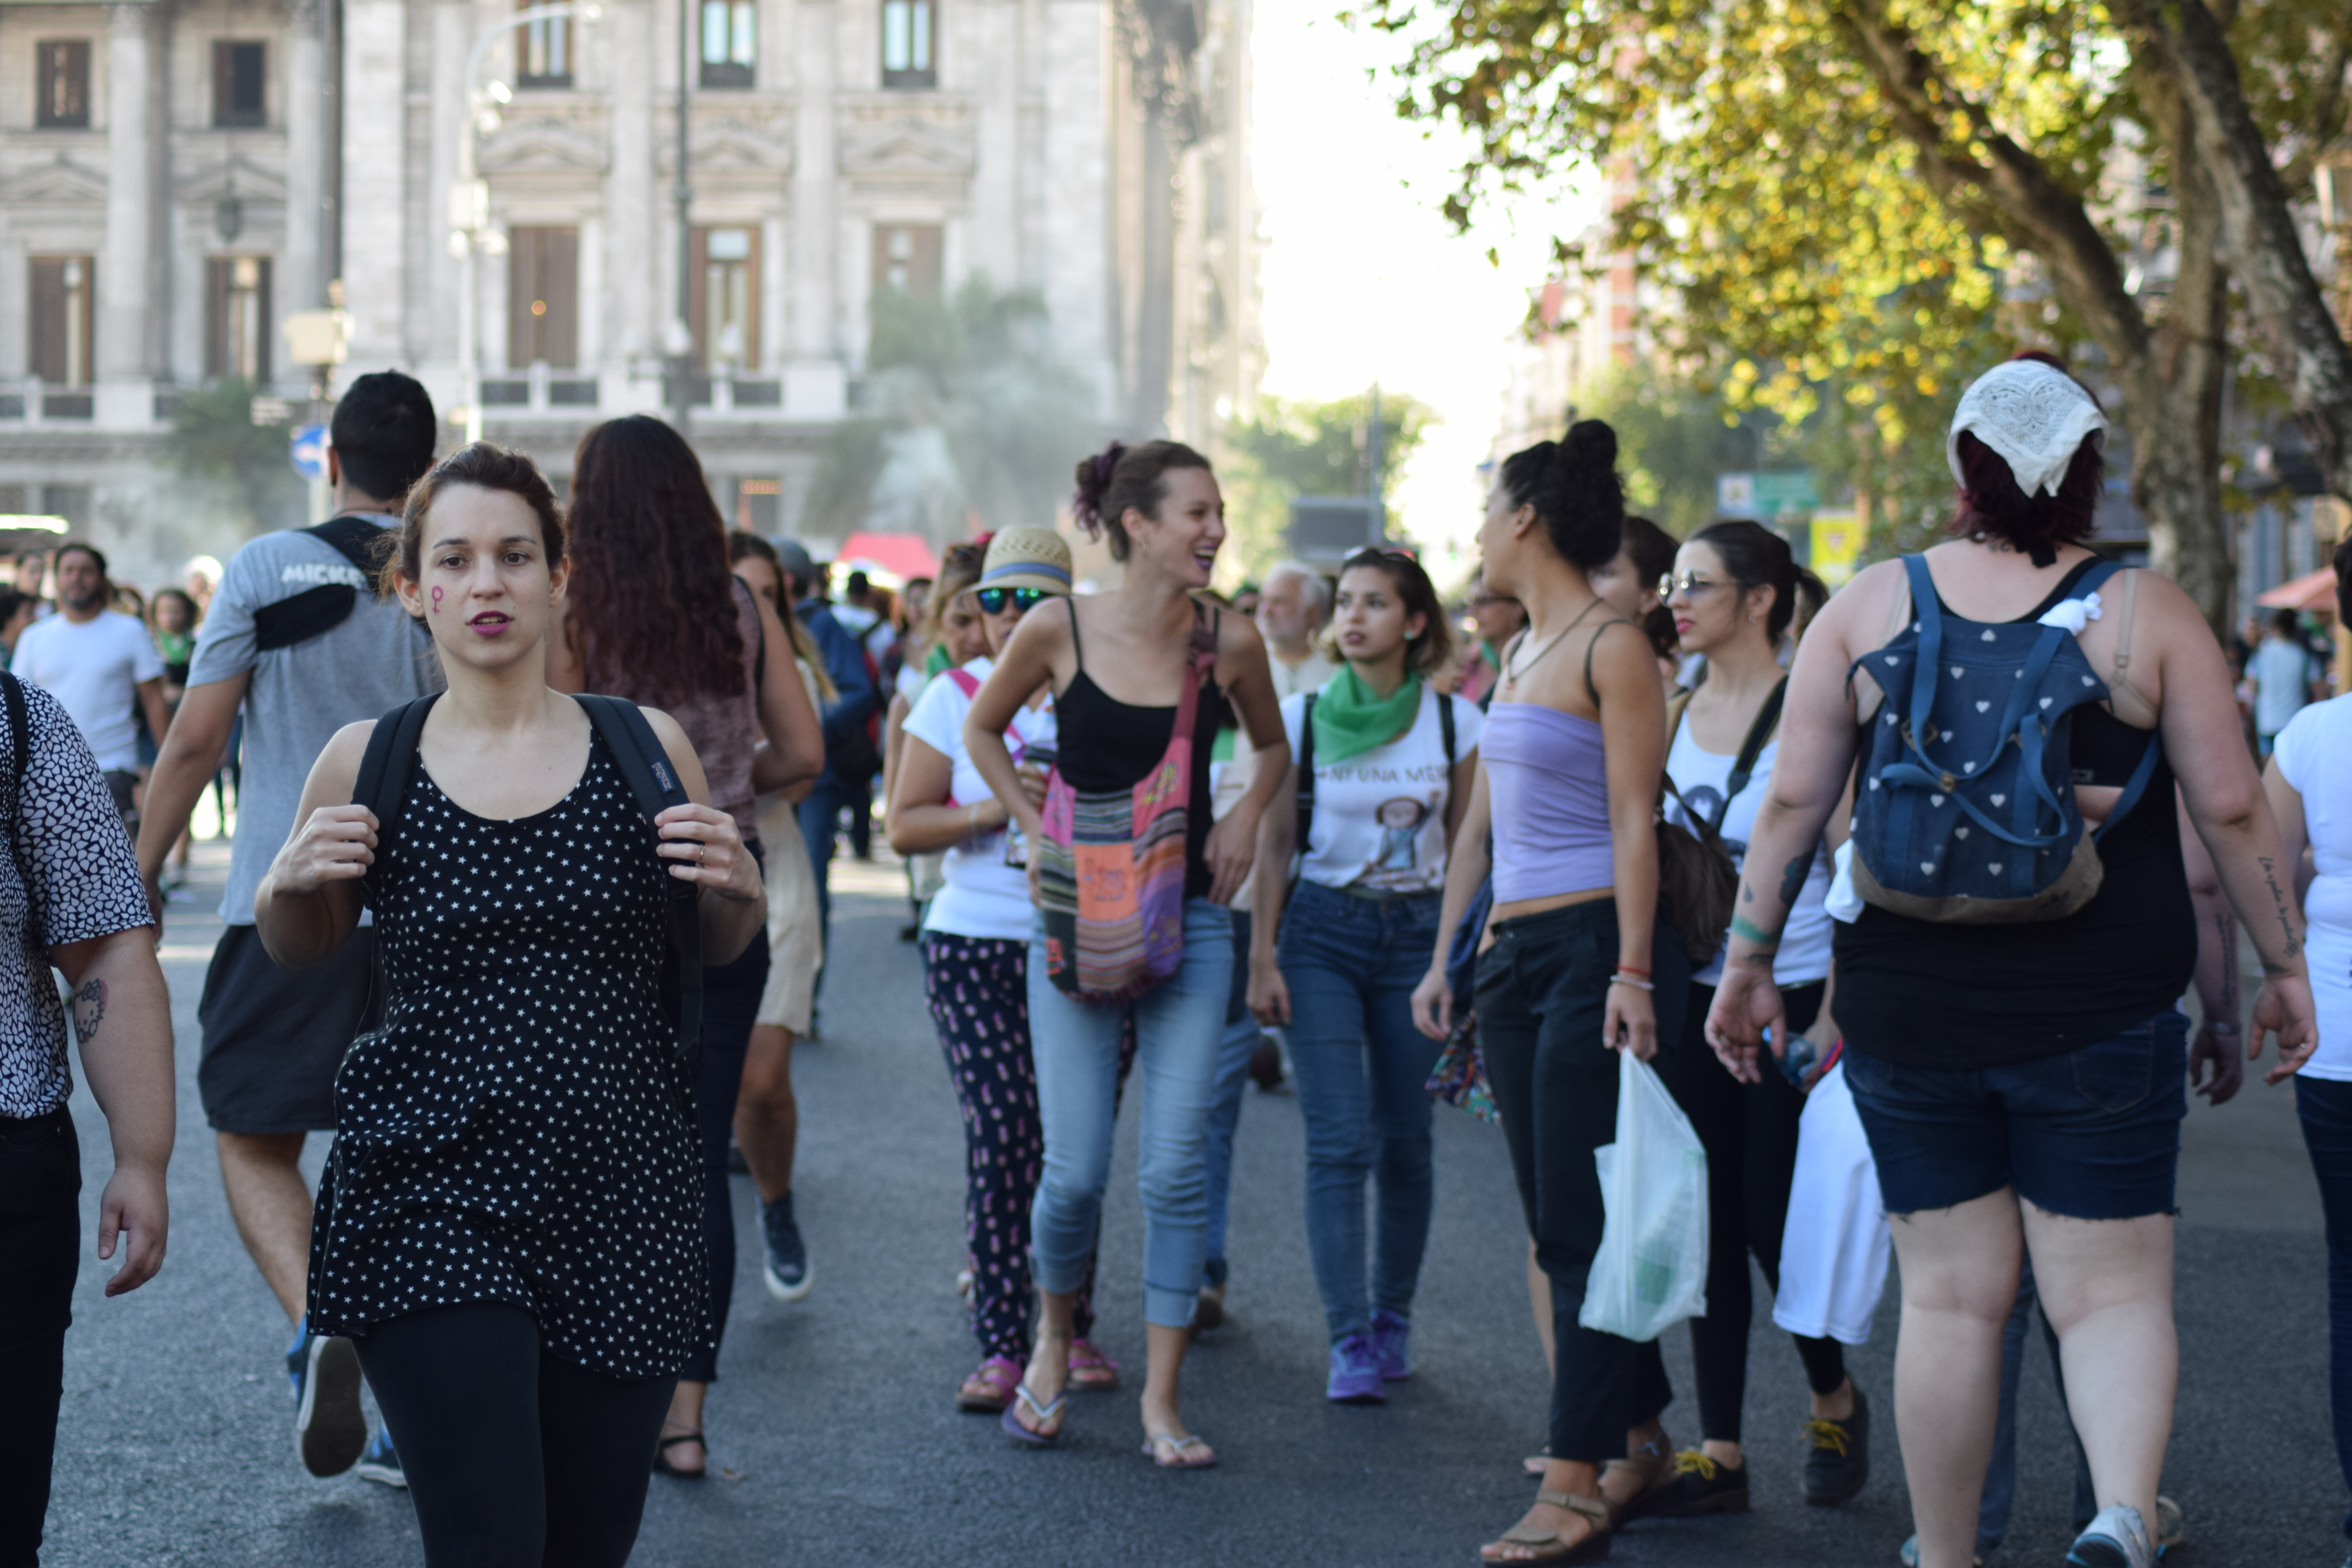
(1792, 878)
(2225, 936)
(1749, 931)
(89, 1009)
(2292, 946)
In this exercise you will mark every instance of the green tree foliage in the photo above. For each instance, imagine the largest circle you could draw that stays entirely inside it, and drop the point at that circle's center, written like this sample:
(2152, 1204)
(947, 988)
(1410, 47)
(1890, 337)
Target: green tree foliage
(1859, 203)
(967, 423)
(1292, 447)
(240, 467)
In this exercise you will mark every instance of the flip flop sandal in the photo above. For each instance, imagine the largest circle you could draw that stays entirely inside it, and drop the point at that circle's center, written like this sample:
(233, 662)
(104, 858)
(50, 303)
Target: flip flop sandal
(989, 1390)
(1091, 1372)
(1178, 1448)
(662, 1467)
(1010, 1419)
(1591, 1549)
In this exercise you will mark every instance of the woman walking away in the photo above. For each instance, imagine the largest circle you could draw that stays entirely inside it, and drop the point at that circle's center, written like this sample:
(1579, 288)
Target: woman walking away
(767, 1113)
(976, 951)
(654, 613)
(1577, 964)
(1392, 764)
(2019, 1069)
(2310, 769)
(1733, 592)
(510, 1227)
(1131, 671)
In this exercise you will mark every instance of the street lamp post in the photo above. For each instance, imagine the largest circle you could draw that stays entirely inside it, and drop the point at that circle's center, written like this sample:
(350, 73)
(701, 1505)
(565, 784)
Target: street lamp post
(471, 235)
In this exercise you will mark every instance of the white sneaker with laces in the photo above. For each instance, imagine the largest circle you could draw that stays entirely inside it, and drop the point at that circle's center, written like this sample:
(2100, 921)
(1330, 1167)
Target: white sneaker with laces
(2116, 1539)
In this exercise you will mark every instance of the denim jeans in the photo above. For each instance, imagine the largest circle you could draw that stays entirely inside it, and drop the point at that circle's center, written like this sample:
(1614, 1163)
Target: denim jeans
(1543, 990)
(1351, 963)
(2325, 1107)
(1177, 1028)
(1234, 1053)
(820, 815)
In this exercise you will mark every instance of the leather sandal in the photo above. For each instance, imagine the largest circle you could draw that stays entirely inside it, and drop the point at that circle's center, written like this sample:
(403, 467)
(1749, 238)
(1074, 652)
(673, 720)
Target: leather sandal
(1654, 1463)
(662, 1467)
(1592, 1547)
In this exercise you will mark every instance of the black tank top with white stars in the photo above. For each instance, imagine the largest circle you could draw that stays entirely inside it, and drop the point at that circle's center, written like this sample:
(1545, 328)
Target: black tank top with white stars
(519, 1130)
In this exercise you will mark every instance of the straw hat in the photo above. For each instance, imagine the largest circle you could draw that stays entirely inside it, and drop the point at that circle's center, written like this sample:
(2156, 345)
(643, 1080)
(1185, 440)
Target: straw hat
(1027, 558)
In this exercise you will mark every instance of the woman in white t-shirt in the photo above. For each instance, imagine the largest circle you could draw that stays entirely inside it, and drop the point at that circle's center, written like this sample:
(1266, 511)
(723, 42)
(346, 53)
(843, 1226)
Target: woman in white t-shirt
(1733, 592)
(2309, 781)
(1392, 762)
(976, 949)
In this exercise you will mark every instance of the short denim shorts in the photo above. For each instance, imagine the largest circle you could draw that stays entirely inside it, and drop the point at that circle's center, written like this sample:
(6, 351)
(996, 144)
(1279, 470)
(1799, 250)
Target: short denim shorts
(2093, 1133)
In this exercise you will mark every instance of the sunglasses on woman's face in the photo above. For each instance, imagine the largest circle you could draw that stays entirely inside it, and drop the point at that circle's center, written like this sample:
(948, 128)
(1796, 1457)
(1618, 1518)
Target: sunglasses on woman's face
(994, 600)
(1690, 585)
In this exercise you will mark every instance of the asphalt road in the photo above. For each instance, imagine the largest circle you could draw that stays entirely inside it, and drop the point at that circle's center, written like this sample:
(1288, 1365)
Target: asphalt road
(839, 1441)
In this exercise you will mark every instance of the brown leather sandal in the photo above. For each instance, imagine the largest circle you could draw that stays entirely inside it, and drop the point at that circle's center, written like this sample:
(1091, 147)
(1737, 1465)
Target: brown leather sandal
(1592, 1547)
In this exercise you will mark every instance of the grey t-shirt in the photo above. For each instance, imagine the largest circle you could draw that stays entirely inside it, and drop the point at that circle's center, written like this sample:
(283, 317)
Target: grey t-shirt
(377, 659)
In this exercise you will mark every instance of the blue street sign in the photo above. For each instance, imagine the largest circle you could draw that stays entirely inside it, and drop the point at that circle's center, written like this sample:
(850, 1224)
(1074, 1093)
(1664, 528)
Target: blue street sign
(309, 452)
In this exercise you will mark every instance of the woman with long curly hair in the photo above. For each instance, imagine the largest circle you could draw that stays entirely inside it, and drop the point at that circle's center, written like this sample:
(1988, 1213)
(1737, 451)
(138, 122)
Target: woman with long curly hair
(655, 614)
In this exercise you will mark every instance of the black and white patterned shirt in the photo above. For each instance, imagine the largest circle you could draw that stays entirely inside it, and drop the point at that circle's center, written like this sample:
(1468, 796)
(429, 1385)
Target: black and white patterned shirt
(69, 843)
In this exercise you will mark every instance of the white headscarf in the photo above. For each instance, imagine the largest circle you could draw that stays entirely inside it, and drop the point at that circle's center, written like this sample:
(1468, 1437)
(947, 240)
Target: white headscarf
(2033, 415)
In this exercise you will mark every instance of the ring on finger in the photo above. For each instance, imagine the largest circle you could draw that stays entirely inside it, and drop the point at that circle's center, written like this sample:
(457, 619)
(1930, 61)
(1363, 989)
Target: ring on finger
(702, 853)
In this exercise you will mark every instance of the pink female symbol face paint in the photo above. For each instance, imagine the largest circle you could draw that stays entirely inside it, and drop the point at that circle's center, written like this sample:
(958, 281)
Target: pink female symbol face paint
(436, 601)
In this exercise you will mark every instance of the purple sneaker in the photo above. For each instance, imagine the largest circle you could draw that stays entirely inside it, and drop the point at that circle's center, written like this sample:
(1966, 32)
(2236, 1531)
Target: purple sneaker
(1355, 1374)
(1391, 1339)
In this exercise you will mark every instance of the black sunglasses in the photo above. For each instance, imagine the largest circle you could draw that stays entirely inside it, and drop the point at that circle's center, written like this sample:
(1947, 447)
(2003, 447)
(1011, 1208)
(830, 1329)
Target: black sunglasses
(992, 600)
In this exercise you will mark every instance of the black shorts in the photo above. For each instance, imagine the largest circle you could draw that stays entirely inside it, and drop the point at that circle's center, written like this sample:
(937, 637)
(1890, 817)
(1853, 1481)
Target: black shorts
(274, 1038)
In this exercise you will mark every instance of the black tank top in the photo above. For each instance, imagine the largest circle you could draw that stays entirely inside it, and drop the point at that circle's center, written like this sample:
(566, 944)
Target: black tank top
(1104, 745)
(1960, 997)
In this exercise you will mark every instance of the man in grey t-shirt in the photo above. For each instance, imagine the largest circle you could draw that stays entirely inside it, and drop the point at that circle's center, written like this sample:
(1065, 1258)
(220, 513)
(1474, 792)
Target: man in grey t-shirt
(296, 636)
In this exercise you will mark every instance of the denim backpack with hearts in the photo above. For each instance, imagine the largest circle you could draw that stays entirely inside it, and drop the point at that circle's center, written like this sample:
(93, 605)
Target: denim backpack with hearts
(1967, 810)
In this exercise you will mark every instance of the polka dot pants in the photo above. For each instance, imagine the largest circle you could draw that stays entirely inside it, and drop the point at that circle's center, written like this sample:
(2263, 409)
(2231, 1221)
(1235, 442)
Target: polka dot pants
(979, 992)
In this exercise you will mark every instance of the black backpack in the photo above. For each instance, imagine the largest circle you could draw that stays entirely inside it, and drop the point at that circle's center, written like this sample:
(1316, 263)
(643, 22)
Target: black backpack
(383, 788)
(314, 612)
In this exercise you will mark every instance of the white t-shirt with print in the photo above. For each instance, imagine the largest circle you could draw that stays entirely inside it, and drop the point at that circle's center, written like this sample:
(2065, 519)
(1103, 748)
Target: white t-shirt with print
(94, 669)
(1804, 955)
(986, 894)
(1380, 815)
(2315, 754)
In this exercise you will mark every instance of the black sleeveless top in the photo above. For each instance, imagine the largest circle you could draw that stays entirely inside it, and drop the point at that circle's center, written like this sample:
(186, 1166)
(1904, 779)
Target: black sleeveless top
(1106, 745)
(1960, 997)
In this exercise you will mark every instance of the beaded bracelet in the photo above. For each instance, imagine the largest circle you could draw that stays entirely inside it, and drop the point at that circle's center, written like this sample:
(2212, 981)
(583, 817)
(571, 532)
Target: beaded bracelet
(1629, 980)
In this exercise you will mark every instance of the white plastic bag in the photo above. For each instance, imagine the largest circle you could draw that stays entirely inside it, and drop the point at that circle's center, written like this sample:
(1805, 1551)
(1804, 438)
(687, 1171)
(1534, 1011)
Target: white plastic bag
(1650, 1272)
(1834, 1251)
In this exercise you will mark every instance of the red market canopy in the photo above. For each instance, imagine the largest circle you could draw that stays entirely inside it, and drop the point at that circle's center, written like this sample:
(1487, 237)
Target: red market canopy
(900, 555)
(2313, 590)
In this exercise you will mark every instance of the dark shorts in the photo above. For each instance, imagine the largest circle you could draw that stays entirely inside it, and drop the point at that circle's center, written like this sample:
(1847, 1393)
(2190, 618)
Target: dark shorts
(2092, 1133)
(274, 1038)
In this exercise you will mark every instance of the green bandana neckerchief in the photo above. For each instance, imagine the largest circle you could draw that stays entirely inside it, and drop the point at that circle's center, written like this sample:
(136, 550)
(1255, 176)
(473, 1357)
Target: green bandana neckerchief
(1350, 720)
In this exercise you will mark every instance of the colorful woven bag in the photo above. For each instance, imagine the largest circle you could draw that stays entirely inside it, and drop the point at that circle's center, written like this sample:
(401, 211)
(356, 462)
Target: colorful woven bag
(1111, 866)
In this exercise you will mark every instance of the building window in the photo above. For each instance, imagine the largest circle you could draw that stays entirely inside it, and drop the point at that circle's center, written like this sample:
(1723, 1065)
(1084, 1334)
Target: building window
(542, 297)
(730, 42)
(240, 75)
(61, 69)
(907, 259)
(909, 28)
(236, 317)
(62, 318)
(545, 55)
(759, 506)
(724, 298)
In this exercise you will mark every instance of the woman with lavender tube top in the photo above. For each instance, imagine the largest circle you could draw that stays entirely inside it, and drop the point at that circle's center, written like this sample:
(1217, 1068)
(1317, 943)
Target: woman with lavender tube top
(1575, 965)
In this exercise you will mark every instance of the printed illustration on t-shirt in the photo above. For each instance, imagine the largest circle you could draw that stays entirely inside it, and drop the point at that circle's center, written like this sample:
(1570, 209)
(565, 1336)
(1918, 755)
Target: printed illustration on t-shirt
(1398, 857)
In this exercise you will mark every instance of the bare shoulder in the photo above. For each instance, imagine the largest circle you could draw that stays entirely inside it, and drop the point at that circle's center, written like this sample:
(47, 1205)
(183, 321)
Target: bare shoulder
(343, 753)
(1236, 634)
(667, 731)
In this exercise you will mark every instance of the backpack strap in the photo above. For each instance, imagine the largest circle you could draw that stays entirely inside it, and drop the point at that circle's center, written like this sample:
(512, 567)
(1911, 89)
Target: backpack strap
(963, 682)
(656, 784)
(1306, 776)
(315, 611)
(1446, 726)
(383, 783)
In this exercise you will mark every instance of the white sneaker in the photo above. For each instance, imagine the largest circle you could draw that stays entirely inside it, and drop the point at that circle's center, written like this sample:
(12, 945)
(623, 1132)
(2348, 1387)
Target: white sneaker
(2116, 1539)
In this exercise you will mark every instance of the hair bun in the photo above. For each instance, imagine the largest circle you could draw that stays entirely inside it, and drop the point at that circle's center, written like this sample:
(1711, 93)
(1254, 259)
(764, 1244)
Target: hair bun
(1589, 443)
(1093, 483)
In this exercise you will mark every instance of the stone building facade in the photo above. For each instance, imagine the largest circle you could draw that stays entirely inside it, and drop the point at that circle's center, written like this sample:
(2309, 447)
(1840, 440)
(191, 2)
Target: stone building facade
(178, 177)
